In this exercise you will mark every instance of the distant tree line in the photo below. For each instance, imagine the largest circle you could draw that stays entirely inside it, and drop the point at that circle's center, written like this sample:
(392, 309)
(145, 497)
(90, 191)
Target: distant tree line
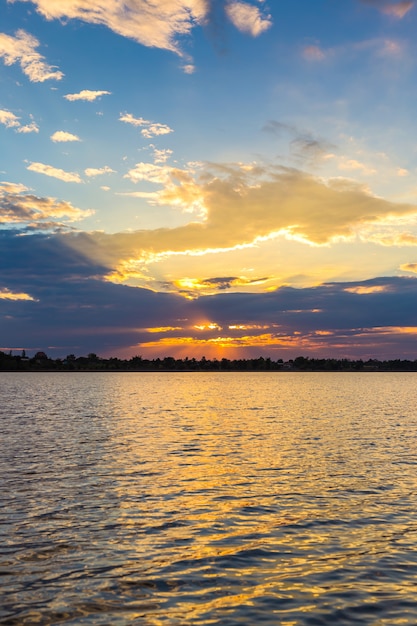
(41, 362)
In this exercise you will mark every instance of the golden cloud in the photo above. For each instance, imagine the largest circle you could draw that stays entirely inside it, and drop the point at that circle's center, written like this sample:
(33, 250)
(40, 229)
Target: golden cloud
(366, 290)
(240, 207)
(409, 267)
(54, 172)
(6, 294)
(22, 208)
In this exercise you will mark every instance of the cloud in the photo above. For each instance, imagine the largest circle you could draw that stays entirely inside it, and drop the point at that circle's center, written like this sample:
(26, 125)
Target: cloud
(29, 128)
(234, 207)
(248, 18)
(22, 49)
(409, 267)
(402, 172)
(189, 68)
(307, 148)
(161, 156)
(8, 119)
(150, 172)
(6, 294)
(314, 53)
(388, 239)
(399, 9)
(62, 135)
(54, 172)
(304, 146)
(193, 287)
(367, 289)
(93, 171)
(153, 23)
(22, 209)
(86, 94)
(390, 7)
(345, 163)
(75, 311)
(150, 129)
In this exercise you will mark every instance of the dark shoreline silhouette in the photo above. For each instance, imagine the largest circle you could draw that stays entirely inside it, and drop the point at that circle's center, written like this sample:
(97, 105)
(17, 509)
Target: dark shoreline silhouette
(93, 363)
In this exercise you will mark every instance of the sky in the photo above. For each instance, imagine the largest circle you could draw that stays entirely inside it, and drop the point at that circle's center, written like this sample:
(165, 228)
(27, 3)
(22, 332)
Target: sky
(218, 178)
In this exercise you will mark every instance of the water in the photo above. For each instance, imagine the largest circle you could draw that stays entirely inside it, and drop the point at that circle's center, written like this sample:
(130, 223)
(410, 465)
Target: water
(203, 498)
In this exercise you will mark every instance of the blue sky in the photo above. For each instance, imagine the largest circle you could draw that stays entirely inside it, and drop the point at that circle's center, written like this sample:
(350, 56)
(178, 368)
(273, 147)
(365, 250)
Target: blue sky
(222, 178)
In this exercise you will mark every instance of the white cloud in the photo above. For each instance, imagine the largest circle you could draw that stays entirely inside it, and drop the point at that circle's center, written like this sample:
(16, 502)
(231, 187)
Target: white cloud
(92, 171)
(22, 49)
(162, 156)
(9, 119)
(86, 94)
(155, 23)
(147, 195)
(149, 129)
(153, 130)
(135, 121)
(150, 173)
(62, 135)
(247, 18)
(54, 172)
(29, 128)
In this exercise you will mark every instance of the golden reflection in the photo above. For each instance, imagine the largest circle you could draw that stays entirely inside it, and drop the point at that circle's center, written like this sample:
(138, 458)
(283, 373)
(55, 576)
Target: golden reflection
(242, 494)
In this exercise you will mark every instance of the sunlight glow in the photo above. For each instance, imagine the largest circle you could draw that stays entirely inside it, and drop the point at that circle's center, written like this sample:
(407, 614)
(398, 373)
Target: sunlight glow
(6, 294)
(362, 290)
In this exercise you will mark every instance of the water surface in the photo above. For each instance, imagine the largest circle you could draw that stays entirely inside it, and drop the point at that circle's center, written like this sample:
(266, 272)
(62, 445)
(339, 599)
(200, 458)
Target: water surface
(208, 498)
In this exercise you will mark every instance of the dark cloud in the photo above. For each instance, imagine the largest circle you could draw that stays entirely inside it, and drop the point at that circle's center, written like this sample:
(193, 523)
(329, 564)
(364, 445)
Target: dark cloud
(304, 146)
(377, 302)
(220, 283)
(278, 128)
(227, 282)
(74, 310)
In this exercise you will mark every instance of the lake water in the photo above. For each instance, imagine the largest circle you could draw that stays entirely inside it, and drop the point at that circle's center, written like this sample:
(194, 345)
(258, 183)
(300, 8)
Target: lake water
(208, 498)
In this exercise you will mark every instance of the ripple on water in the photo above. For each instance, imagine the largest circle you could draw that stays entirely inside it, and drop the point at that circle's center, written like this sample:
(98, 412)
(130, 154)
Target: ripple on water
(230, 500)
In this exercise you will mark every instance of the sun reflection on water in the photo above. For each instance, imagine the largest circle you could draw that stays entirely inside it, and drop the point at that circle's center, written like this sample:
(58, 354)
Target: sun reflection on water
(211, 498)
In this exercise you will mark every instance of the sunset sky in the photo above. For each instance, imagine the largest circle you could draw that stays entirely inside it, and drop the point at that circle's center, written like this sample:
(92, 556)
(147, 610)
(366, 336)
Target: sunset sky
(228, 178)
